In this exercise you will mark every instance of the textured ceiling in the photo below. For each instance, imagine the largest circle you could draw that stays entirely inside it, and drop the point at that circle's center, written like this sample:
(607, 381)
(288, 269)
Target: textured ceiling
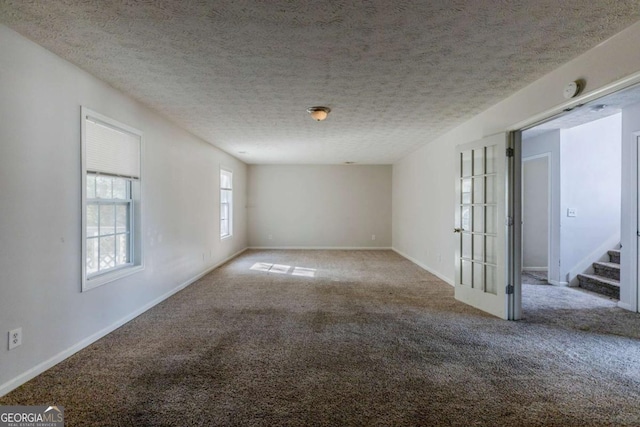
(241, 73)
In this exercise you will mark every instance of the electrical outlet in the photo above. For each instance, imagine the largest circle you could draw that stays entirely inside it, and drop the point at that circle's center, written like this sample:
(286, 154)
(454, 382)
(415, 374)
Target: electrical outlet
(15, 338)
(571, 212)
(373, 237)
(270, 236)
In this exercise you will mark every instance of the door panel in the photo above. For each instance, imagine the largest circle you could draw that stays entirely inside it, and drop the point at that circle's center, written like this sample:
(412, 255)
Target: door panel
(480, 225)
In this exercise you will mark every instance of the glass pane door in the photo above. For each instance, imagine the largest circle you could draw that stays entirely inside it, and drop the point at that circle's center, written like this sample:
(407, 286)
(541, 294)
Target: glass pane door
(480, 224)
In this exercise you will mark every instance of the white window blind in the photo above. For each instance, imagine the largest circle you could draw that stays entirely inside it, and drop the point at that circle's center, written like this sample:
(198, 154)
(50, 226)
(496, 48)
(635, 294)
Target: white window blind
(226, 178)
(111, 151)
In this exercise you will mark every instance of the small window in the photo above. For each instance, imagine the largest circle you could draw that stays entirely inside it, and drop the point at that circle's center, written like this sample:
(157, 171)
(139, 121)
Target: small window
(110, 199)
(226, 203)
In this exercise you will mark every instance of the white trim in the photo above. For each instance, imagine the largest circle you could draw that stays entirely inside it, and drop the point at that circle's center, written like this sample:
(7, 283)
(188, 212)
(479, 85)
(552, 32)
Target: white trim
(629, 284)
(47, 364)
(322, 248)
(111, 276)
(629, 263)
(535, 269)
(83, 201)
(424, 267)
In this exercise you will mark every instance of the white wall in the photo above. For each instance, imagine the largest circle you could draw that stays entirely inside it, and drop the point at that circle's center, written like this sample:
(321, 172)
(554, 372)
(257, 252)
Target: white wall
(40, 231)
(423, 181)
(423, 209)
(590, 183)
(535, 213)
(320, 206)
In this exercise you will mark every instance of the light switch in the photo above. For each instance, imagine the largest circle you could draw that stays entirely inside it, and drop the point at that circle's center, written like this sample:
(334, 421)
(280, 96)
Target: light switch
(571, 212)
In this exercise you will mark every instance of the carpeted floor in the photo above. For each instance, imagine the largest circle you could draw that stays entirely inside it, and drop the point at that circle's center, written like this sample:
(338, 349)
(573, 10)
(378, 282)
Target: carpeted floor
(370, 339)
(534, 277)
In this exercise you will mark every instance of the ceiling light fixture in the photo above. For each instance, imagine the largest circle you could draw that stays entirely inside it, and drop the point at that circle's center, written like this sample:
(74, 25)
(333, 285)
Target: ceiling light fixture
(319, 113)
(598, 108)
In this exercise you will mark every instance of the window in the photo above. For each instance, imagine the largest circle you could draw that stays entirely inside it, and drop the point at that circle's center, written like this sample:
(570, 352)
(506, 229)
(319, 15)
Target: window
(110, 200)
(226, 203)
(109, 210)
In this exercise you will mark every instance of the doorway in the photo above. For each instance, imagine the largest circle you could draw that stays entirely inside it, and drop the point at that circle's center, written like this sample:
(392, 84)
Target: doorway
(585, 153)
(593, 204)
(536, 204)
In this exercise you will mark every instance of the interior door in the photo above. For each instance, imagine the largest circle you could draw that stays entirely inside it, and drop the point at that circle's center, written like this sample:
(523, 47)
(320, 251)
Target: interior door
(481, 229)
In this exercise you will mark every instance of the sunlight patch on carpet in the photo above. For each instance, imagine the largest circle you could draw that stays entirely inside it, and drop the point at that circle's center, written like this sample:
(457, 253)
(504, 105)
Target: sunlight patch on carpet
(283, 269)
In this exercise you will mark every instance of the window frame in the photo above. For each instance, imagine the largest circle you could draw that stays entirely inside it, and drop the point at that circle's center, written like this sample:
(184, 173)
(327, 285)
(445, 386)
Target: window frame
(230, 203)
(134, 199)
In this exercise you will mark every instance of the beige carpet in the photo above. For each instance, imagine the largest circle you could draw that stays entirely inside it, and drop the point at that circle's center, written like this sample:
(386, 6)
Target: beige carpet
(370, 339)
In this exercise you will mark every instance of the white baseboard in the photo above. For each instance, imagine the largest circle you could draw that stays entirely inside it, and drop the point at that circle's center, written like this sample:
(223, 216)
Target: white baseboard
(47, 364)
(557, 282)
(322, 248)
(423, 266)
(626, 306)
(534, 268)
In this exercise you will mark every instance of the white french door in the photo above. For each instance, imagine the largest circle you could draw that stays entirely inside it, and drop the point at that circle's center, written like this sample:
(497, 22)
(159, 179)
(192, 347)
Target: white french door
(481, 229)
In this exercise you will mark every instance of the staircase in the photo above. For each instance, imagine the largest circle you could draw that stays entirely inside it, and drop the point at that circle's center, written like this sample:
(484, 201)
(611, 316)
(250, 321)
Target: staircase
(605, 279)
